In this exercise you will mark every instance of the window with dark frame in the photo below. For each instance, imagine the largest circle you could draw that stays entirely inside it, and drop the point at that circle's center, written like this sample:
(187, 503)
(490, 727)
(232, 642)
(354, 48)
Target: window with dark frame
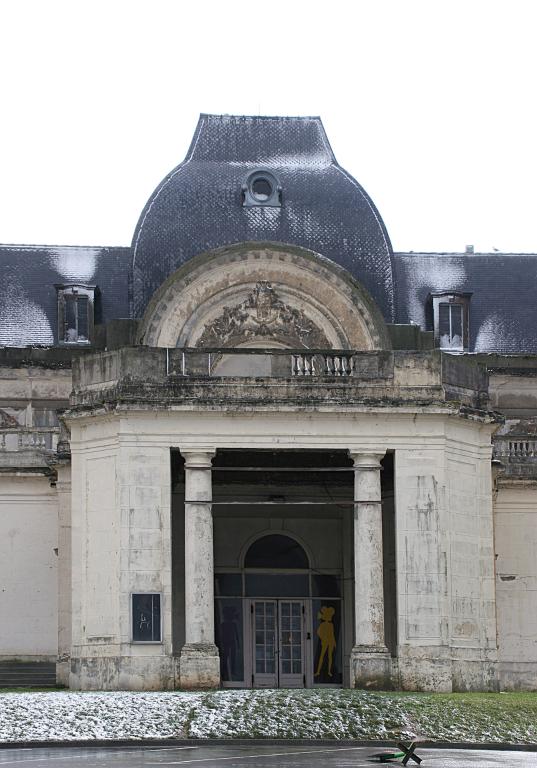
(451, 320)
(75, 313)
(146, 627)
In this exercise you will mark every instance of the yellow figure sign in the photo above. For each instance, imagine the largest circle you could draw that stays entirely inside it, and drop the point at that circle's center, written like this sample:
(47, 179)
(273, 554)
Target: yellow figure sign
(326, 634)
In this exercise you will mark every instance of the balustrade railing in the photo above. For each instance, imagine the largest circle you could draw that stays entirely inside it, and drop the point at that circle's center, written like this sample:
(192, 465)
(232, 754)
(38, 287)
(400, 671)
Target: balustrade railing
(518, 457)
(27, 439)
(260, 362)
(339, 365)
(522, 448)
(305, 364)
(516, 449)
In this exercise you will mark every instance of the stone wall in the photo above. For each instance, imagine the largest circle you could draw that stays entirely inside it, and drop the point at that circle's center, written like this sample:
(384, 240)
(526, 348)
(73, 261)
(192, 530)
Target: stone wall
(120, 544)
(28, 568)
(33, 385)
(445, 559)
(516, 584)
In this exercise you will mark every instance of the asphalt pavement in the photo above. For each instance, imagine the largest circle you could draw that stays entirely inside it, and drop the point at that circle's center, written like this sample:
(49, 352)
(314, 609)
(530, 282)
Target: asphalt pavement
(242, 756)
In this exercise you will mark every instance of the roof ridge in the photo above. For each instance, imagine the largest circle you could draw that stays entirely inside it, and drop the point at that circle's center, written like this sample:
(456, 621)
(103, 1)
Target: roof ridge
(465, 253)
(259, 117)
(40, 246)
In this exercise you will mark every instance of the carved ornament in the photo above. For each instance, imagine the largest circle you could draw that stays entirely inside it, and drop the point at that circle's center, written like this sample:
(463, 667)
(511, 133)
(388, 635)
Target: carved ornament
(262, 317)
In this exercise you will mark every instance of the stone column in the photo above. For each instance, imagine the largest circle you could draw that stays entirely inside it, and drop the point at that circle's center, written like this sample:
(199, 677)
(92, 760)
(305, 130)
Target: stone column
(370, 659)
(199, 663)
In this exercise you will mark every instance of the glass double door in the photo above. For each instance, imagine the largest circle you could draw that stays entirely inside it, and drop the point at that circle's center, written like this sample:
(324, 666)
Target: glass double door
(278, 643)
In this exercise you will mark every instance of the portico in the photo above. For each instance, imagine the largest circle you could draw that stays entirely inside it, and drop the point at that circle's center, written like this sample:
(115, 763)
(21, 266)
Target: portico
(200, 485)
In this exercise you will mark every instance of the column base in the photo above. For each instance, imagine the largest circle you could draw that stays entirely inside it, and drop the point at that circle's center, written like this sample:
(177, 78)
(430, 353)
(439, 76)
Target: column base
(199, 666)
(371, 668)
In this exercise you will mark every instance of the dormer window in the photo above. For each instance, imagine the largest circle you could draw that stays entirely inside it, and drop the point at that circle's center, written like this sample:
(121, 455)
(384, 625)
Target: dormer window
(451, 321)
(75, 313)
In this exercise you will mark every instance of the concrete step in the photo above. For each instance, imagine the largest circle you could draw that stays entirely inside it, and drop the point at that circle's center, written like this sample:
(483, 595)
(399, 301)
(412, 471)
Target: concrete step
(15, 674)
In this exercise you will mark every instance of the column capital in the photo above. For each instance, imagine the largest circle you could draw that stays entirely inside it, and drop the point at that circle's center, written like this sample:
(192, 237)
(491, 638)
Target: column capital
(198, 458)
(366, 459)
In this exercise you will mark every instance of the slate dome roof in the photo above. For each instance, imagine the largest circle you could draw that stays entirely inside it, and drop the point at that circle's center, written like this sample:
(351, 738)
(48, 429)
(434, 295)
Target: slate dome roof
(199, 205)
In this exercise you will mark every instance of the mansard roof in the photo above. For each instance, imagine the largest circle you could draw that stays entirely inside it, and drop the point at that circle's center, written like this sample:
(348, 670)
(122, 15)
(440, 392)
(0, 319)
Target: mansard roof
(198, 207)
(503, 305)
(30, 274)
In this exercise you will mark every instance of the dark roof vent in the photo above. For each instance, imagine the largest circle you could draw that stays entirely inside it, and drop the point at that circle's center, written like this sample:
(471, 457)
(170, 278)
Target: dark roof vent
(261, 188)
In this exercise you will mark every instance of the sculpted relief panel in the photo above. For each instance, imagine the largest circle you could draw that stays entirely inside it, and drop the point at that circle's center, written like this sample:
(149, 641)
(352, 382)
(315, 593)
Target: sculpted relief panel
(262, 317)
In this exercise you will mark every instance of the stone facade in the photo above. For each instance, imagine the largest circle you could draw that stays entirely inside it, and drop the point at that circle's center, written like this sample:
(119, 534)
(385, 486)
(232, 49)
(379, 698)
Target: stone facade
(258, 478)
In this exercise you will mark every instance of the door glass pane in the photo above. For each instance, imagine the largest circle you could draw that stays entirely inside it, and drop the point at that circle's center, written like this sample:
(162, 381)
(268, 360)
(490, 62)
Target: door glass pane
(291, 645)
(229, 638)
(326, 634)
(265, 636)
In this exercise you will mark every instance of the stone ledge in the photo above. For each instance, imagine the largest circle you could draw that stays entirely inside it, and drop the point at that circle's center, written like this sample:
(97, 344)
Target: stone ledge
(143, 375)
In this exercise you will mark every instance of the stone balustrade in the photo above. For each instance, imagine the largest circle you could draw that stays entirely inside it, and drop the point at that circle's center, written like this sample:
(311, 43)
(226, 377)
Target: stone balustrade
(15, 440)
(323, 364)
(517, 456)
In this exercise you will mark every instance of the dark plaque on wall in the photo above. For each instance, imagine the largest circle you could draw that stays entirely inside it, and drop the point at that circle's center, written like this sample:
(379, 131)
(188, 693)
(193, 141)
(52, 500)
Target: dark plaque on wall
(146, 618)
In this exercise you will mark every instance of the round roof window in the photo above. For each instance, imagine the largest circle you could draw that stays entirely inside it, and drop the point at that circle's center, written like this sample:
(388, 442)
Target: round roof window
(261, 188)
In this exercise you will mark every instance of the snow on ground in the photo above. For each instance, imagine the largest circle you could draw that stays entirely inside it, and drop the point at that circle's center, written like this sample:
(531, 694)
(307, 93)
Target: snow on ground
(67, 715)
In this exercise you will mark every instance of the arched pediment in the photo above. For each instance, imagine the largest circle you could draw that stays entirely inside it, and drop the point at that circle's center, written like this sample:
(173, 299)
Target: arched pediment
(268, 295)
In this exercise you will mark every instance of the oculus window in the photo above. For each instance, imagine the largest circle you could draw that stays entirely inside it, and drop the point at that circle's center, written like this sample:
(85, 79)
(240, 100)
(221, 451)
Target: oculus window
(261, 188)
(451, 320)
(146, 626)
(75, 313)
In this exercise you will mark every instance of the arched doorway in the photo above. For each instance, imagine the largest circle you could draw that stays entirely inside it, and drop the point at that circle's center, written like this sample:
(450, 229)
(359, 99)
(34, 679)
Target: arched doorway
(279, 621)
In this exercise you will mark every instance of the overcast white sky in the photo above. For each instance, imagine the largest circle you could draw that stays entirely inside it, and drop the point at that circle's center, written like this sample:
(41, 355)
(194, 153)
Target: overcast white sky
(430, 104)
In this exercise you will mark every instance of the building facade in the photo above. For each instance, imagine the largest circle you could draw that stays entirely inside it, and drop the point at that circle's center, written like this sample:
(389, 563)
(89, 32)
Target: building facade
(258, 448)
